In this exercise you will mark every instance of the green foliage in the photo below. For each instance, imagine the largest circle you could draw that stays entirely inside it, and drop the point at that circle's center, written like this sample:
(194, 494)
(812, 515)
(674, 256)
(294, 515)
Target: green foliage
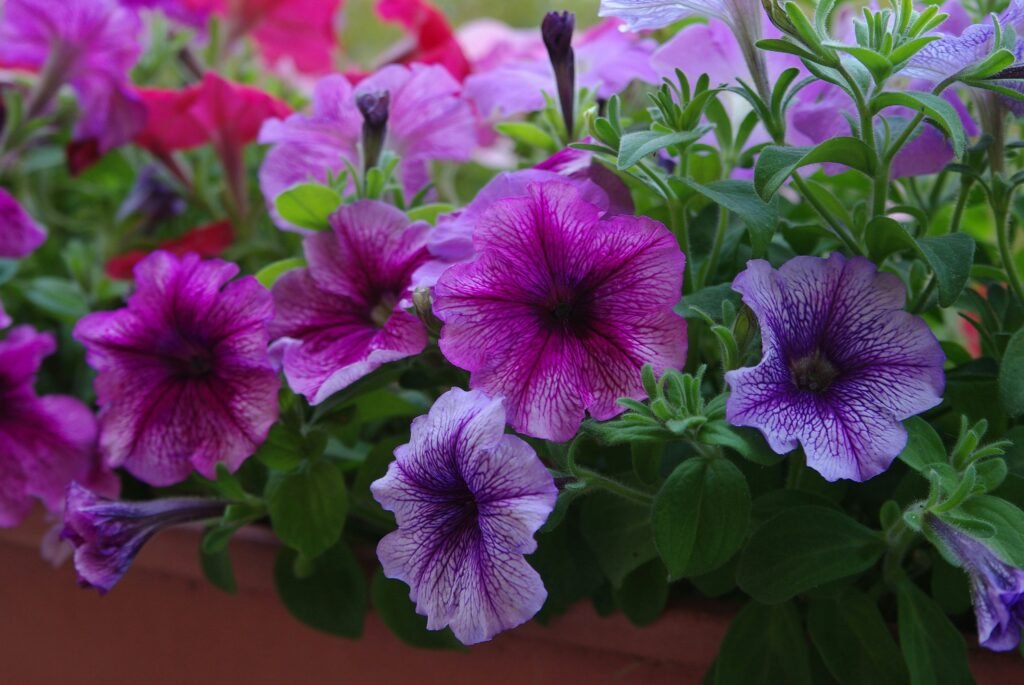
(327, 593)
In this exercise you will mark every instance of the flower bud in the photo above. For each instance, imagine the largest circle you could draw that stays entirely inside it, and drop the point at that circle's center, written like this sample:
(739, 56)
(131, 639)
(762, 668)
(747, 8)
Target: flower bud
(374, 108)
(556, 30)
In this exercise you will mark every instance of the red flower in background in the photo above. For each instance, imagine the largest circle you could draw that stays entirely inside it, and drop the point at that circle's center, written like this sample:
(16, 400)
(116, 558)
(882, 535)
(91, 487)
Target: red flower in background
(435, 39)
(206, 241)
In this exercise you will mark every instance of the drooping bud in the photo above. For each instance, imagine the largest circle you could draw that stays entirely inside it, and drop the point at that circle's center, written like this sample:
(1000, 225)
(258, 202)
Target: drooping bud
(374, 108)
(423, 305)
(556, 30)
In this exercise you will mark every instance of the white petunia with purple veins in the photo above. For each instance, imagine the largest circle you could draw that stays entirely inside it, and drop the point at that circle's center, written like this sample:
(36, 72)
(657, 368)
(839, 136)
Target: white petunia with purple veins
(468, 499)
(842, 364)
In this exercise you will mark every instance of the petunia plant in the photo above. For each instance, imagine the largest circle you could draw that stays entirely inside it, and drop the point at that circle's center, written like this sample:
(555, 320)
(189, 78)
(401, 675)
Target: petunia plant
(667, 300)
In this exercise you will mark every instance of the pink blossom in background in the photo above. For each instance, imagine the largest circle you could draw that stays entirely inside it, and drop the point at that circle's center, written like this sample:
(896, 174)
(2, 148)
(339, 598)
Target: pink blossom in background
(428, 120)
(341, 318)
(561, 308)
(88, 44)
(434, 40)
(20, 235)
(184, 381)
(45, 442)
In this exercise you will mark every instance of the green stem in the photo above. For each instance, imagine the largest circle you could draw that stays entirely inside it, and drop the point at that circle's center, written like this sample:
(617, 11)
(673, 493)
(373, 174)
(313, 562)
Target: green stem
(900, 538)
(711, 264)
(681, 230)
(624, 491)
(1003, 227)
(837, 228)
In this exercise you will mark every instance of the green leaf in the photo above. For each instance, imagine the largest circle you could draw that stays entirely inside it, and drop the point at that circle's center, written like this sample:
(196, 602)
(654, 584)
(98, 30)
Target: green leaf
(268, 275)
(935, 107)
(747, 442)
(217, 568)
(308, 205)
(924, 446)
(877, 64)
(707, 300)
(635, 146)
(739, 198)
(282, 450)
(934, 650)
(429, 213)
(776, 163)
(803, 548)
(950, 257)
(528, 134)
(765, 645)
(643, 593)
(700, 515)
(1007, 519)
(391, 602)
(60, 298)
(854, 640)
(308, 506)
(331, 597)
(619, 533)
(1011, 375)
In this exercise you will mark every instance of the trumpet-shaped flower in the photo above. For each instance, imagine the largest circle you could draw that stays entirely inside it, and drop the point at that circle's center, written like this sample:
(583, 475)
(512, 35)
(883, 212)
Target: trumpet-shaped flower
(20, 235)
(468, 499)
(997, 588)
(435, 42)
(107, 534)
(842, 364)
(45, 442)
(561, 308)
(427, 120)
(184, 381)
(341, 318)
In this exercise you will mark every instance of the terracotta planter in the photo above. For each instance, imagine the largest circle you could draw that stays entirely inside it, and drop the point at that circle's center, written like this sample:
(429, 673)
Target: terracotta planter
(165, 624)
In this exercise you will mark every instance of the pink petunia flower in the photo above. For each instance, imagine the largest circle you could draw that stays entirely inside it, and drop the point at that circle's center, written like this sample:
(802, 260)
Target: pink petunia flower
(341, 318)
(184, 381)
(20, 235)
(45, 442)
(562, 308)
(87, 44)
(427, 120)
(435, 41)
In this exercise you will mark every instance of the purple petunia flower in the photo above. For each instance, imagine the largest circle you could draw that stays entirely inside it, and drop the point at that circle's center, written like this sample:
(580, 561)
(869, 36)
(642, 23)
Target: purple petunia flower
(607, 60)
(341, 318)
(184, 378)
(107, 534)
(562, 308)
(45, 442)
(842, 364)
(427, 120)
(20, 235)
(88, 44)
(468, 499)
(997, 588)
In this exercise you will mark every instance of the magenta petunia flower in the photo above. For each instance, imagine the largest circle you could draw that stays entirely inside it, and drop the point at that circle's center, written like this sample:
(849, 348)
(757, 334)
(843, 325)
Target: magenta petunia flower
(20, 235)
(45, 442)
(468, 499)
(562, 308)
(607, 60)
(184, 381)
(341, 318)
(997, 588)
(107, 534)
(90, 45)
(842, 364)
(427, 120)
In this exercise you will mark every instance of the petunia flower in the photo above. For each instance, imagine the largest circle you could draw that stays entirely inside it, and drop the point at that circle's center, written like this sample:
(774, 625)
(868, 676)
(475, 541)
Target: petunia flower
(209, 240)
(341, 318)
(88, 44)
(45, 442)
(108, 534)
(842, 364)
(561, 308)
(427, 120)
(607, 60)
(184, 381)
(435, 42)
(997, 588)
(20, 235)
(468, 499)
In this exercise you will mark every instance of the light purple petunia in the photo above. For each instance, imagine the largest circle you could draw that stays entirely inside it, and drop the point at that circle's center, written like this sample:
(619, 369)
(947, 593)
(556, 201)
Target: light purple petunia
(842, 364)
(997, 588)
(107, 534)
(427, 120)
(468, 499)
(562, 308)
(45, 442)
(184, 380)
(342, 317)
(90, 45)
(607, 60)
(20, 235)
